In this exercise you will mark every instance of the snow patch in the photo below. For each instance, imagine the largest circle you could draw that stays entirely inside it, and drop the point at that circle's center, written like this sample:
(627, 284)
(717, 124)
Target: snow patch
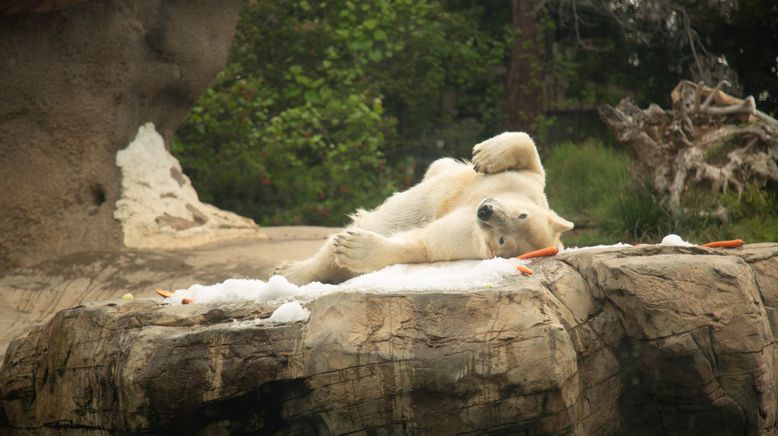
(619, 245)
(670, 240)
(459, 276)
(277, 288)
(290, 312)
(456, 276)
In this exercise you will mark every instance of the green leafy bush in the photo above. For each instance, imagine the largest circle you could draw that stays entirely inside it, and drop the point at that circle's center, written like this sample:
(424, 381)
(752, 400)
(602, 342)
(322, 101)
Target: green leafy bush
(305, 164)
(326, 106)
(584, 183)
(329, 106)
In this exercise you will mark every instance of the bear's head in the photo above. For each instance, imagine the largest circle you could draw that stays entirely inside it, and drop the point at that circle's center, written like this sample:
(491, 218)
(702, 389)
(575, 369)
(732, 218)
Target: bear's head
(512, 225)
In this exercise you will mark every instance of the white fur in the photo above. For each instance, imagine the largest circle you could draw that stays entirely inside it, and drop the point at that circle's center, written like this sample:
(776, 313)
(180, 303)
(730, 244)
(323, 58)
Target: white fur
(436, 220)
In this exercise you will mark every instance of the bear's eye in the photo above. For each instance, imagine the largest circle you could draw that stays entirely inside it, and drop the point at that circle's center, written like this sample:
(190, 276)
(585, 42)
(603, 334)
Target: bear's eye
(502, 240)
(523, 216)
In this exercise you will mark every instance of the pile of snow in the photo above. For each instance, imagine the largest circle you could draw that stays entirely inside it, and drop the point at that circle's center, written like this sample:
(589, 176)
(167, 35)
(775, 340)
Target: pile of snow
(290, 312)
(237, 290)
(674, 241)
(457, 276)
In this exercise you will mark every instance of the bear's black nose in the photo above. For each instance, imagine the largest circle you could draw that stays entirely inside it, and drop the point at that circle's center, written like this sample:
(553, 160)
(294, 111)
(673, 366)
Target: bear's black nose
(484, 212)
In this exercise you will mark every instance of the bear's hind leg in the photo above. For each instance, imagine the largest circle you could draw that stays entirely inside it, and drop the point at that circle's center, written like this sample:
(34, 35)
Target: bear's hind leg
(321, 267)
(440, 166)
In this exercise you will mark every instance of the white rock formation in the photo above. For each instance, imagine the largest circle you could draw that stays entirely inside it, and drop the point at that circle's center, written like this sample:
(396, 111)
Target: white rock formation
(159, 208)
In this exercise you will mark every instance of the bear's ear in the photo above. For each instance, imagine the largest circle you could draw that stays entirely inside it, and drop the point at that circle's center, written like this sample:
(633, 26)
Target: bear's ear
(560, 224)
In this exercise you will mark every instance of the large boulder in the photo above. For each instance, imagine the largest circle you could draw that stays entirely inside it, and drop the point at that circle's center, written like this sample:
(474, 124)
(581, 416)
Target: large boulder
(646, 340)
(79, 80)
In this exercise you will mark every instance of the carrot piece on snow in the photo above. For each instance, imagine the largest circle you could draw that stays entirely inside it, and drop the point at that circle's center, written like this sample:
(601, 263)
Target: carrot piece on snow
(524, 270)
(543, 252)
(724, 244)
(164, 293)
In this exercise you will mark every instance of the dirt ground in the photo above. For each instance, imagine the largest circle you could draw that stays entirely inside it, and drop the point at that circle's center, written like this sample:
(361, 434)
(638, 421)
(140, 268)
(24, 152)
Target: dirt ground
(34, 294)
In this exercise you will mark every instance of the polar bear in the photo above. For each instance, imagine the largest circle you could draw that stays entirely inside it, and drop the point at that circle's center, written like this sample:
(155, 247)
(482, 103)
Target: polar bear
(494, 206)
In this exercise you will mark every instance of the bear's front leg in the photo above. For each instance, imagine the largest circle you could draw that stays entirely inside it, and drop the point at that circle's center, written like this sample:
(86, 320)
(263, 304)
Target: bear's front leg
(365, 251)
(455, 236)
(509, 151)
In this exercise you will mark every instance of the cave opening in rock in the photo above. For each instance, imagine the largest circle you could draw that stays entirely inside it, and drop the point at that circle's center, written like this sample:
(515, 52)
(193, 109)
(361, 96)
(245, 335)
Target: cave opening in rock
(97, 194)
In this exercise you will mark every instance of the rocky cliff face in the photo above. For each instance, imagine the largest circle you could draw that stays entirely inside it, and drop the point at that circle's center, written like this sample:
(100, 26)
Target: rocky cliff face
(646, 340)
(79, 78)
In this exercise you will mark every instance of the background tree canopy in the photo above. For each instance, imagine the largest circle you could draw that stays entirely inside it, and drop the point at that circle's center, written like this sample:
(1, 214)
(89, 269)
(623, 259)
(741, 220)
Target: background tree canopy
(329, 106)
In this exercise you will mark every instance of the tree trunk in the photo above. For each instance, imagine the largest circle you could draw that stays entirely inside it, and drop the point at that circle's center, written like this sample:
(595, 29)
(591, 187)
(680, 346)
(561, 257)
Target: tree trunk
(525, 77)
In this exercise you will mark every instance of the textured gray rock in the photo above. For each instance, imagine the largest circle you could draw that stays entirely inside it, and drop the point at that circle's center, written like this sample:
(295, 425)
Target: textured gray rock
(78, 80)
(645, 340)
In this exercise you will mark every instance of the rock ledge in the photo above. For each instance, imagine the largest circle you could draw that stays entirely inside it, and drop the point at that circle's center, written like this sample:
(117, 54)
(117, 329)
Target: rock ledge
(648, 339)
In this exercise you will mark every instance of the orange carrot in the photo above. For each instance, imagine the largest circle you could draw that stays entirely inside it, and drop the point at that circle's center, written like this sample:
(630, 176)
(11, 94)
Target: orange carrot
(164, 293)
(187, 301)
(724, 244)
(524, 270)
(543, 252)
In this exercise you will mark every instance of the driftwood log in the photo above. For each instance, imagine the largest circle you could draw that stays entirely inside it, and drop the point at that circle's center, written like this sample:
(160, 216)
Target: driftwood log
(642, 340)
(708, 140)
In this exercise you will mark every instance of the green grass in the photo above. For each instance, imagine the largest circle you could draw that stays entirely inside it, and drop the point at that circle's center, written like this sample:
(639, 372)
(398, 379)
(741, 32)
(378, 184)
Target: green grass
(583, 179)
(584, 182)
(591, 185)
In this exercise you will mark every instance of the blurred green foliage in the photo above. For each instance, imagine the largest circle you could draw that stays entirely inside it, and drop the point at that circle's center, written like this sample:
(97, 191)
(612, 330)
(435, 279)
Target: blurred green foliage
(329, 106)
(326, 106)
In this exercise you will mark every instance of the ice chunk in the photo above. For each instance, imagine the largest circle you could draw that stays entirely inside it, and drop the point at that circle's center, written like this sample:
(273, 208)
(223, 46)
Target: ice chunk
(290, 312)
(673, 240)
